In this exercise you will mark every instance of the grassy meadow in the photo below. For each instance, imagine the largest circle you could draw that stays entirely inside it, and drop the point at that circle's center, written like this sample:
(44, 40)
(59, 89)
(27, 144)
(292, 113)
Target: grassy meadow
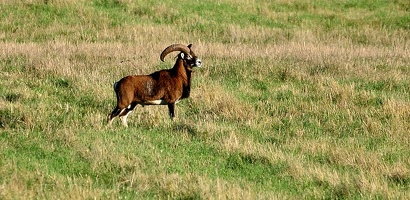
(295, 100)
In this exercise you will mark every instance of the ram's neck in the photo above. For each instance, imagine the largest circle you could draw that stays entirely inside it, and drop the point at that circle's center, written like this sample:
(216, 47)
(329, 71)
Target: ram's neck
(181, 71)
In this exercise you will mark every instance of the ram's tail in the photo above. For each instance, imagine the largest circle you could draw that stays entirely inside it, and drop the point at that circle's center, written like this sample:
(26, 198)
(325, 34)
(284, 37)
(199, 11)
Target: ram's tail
(115, 86)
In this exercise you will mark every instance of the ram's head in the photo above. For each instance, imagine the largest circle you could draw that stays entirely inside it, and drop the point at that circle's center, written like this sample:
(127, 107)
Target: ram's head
(186, 54)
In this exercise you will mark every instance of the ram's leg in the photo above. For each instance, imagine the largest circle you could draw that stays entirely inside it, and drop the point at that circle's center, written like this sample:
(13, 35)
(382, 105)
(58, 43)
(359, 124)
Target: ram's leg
(123, 115)
(113, 114)
(171, 109)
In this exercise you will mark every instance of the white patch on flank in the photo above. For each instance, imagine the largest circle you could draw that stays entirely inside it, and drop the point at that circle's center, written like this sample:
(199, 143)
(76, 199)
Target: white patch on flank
(156, 102)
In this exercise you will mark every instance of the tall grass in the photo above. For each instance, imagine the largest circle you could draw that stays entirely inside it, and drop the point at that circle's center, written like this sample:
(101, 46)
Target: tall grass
(296, 99)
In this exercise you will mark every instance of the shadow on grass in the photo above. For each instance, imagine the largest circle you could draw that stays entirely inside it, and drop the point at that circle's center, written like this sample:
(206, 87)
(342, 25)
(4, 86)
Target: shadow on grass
(185, 128)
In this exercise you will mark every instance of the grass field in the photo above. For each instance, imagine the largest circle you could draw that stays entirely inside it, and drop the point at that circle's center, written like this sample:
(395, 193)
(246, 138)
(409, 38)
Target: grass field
(295, 100)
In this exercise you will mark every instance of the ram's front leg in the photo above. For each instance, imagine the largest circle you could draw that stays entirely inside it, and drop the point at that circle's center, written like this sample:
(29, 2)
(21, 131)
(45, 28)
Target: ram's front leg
(171, 109)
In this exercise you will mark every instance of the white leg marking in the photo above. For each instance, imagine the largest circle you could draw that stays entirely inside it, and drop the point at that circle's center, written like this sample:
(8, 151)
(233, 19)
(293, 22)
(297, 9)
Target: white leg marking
(124, 118)
(121, 111)
(110, 121)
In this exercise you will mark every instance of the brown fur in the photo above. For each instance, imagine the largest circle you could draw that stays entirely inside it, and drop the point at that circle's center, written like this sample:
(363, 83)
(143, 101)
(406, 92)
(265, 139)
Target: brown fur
(154, 87)
(168, 86)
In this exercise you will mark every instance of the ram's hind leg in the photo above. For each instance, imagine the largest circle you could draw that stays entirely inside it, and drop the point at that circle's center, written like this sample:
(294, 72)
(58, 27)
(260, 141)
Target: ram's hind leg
(113, 114)
(123, 115)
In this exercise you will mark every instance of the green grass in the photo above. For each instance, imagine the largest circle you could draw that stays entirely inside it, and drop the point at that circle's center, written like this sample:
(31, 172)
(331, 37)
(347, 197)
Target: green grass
(296, 99)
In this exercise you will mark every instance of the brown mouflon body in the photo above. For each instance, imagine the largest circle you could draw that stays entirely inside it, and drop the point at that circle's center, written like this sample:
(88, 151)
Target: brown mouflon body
(164, 87)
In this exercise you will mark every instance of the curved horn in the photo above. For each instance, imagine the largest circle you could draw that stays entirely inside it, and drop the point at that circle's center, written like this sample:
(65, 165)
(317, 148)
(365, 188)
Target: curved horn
(174, 47)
